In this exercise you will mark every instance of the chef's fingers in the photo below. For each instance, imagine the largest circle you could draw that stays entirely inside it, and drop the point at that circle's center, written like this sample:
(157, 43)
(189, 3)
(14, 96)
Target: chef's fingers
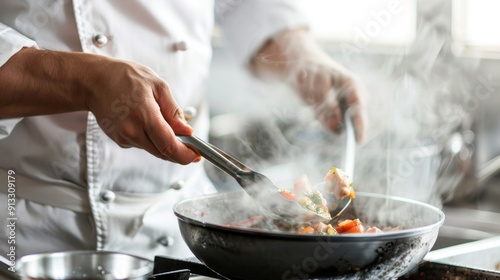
(150, 128)
(354, 96)
(164, 121)
(170, 110)
(329, 113)
(313, 84)
(359, 121)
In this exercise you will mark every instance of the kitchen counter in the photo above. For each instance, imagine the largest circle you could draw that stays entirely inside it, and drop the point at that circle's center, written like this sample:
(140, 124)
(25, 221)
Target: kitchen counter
(482, 254)
(473, 260)
(474, 219)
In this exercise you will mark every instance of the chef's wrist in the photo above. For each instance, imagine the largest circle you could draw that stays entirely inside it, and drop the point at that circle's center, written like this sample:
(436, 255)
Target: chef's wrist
(39, 82)
(58, 75)
(293, 53)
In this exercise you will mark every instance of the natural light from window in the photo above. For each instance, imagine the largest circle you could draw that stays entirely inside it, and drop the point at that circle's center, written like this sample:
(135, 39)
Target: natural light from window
(366, 22)
(476, 23)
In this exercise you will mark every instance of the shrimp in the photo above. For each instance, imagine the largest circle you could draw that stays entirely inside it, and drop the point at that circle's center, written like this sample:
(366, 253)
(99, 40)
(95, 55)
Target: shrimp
(339, 183)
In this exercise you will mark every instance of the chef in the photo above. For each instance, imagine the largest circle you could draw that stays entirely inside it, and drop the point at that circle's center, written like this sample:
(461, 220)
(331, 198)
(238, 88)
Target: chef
(92, 94)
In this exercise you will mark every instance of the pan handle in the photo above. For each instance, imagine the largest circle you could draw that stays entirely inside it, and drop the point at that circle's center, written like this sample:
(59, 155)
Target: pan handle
(192, 265)
(214, 155)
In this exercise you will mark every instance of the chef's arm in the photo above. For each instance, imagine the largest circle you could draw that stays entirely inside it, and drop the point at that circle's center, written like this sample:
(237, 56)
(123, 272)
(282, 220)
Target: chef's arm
(133, 106)
(36, 82)
(272, 37)
(293, 56)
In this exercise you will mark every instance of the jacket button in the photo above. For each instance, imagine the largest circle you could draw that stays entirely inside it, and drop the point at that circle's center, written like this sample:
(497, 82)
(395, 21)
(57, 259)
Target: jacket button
(100, 40)
(177, 185)
(180, 46)
(166, 241)
(190, 113)
(108, 196)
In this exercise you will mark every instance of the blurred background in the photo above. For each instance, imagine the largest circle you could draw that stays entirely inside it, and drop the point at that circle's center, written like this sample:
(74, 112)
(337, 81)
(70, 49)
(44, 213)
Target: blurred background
(431, 68)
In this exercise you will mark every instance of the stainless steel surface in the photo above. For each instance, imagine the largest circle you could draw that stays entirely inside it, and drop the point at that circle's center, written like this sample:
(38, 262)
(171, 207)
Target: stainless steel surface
(441, 271)
(488, 170)
(482, 254)
(83, 265)
(474, 219)
(257, 185)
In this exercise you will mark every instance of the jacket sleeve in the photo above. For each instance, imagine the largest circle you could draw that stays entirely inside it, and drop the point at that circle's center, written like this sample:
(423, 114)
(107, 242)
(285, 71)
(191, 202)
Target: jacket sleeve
(248, 24)
(11, 42)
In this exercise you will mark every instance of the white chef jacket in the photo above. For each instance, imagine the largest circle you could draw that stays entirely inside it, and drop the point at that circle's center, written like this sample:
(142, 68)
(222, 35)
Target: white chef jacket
(75, 187)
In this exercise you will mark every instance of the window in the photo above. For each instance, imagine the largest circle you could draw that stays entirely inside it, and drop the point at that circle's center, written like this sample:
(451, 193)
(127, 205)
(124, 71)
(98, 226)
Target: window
(475, 27)
(364, 23)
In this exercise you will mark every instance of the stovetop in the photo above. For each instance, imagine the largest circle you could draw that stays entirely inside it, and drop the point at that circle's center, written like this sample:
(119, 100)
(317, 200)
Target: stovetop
(473, 260)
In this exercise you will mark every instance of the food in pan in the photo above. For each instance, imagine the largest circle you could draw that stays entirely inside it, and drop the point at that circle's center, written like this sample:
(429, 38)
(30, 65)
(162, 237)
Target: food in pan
(339, 183)
(308, 197)
(343, 227)
(336, 182)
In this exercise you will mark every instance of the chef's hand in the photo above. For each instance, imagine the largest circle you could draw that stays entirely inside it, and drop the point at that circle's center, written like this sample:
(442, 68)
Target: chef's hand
(321, 82)
(136, 108)
(133, 106)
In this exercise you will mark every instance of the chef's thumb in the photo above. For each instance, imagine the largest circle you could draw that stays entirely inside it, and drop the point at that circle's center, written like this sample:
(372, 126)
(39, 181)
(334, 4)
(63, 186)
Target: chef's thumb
(179, 124)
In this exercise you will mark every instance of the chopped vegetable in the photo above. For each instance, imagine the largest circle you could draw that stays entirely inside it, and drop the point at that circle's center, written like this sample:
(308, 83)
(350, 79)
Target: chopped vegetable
(357, 229)
(347, 225)
(309, 198)
(302, 185)
(306, 230)
(336, 182)
(288, 195)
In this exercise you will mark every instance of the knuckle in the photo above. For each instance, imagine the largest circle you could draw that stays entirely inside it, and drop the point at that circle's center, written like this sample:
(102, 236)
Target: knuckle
(162, 86)
(128, 133)
(168, 150)
(123, 143)
(178, 113)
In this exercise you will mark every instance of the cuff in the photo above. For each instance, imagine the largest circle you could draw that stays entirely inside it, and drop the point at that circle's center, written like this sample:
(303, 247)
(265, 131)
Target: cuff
(247, 25)
(11, 42)
(7, 125)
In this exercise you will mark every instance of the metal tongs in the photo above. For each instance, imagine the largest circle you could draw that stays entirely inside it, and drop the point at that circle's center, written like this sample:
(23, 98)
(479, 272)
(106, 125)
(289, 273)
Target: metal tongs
(257, 185)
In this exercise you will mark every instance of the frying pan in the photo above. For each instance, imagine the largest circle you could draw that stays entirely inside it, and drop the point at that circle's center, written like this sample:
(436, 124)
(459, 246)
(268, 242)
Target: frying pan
(243, 253)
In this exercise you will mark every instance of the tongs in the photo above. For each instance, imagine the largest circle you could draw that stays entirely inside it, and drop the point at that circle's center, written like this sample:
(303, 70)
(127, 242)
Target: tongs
(257, 185)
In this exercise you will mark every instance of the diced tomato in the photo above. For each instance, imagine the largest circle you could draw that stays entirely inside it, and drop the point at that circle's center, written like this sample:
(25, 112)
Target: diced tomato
(287, 194)
(306, 230)
(302, 185)
(352, 194)
(357, 229)
(347, 224)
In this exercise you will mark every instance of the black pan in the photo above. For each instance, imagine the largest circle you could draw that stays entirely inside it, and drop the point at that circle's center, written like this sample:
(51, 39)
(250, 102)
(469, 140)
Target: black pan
(238, 253)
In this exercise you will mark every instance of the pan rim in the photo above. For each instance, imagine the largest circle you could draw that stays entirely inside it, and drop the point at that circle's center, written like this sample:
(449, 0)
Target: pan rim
(404, 233)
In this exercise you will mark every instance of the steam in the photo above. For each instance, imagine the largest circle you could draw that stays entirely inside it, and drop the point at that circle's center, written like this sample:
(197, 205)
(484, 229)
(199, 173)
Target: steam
(417, 101)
